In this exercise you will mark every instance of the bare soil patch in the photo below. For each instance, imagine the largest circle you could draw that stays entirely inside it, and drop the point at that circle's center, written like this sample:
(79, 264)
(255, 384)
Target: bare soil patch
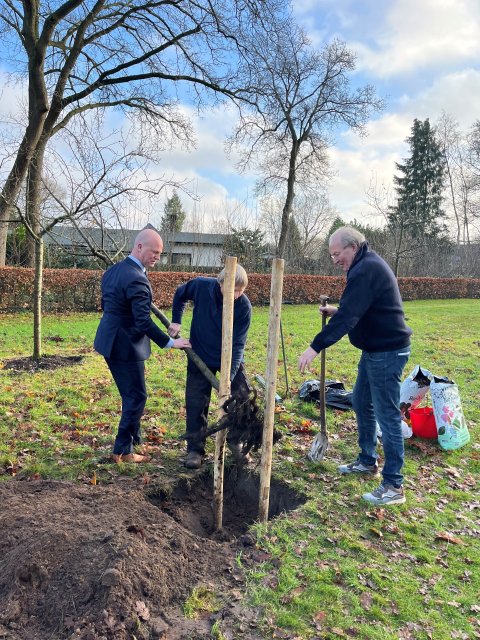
(45, 362)
(85, 562)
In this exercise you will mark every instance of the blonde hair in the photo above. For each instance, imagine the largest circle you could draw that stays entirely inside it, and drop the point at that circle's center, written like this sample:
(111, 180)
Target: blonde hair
(241, 278)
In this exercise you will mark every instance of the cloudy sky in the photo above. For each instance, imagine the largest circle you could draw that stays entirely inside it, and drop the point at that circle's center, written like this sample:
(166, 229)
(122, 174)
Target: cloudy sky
(421, 55)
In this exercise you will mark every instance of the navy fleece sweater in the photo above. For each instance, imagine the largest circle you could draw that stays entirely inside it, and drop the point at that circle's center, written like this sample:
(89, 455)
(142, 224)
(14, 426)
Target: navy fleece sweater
(370, 309)
(206, 327)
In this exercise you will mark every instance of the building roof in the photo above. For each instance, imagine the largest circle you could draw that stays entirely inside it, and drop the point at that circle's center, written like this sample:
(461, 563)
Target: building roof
(116, 239)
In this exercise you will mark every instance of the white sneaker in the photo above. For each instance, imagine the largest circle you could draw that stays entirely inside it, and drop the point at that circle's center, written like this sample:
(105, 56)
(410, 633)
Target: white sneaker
(359, 467)
(385, 494)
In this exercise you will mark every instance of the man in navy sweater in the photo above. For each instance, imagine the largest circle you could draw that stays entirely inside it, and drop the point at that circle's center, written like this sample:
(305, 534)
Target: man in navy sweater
(371, 313)
(206, 338)
(124, 334)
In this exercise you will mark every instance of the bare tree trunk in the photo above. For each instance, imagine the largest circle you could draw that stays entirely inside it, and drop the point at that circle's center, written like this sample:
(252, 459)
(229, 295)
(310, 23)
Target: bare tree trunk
(37, 113)
(37, 300)
(33, 204)
(287, 208)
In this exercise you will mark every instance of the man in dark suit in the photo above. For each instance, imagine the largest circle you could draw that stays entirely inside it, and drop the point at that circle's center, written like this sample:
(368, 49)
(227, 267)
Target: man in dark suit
(124, 334)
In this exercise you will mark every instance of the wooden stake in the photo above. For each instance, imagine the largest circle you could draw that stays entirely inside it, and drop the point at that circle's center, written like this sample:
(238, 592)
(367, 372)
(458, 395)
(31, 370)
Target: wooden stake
(224, 390)
(276, 290)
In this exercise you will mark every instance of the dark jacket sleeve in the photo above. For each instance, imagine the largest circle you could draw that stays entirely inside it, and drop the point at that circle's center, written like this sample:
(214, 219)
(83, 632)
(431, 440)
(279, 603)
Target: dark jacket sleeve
(139, 296)
(240, 330)
(356, 299)
(183, 294)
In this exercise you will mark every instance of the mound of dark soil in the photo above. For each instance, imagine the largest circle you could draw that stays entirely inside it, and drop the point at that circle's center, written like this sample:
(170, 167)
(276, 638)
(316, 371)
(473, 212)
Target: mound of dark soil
(85, 562)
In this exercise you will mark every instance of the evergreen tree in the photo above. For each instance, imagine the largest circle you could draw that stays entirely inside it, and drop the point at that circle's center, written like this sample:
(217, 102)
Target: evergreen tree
(418, 214)
(173, 214)
(248, 246)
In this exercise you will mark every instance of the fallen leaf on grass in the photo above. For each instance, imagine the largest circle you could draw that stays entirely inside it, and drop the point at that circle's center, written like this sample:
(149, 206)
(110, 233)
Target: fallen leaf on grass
(425, 448)
(377, 532)
(448, 537)
(319, 617)
(261, 556)
(294, 593)
(366, 600)
(376, 514)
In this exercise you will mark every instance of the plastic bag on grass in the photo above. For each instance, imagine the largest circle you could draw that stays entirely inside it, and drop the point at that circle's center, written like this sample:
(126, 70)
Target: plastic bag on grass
(451, 426)
(413, 389)
(406, 430)
(336, 396)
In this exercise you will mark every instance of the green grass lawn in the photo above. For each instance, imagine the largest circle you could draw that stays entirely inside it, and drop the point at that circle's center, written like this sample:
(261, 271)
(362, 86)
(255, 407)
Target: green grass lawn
(334, 568)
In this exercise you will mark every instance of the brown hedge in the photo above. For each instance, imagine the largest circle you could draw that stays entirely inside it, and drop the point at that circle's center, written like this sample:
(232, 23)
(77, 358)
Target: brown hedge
(79, 289)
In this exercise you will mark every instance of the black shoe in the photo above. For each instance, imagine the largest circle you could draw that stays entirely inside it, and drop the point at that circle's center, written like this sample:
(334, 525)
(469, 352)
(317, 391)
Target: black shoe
(193, 460)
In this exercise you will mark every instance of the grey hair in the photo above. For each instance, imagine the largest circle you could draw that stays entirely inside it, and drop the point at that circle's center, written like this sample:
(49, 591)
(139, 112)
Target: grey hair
(241, 278)
(348, 237)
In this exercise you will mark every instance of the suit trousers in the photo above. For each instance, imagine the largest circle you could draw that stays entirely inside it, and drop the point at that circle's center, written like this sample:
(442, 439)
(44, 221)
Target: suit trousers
(197, 400)
(130, 380)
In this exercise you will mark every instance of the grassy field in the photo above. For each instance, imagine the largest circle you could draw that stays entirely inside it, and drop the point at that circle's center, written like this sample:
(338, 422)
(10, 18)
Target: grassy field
(334, 568)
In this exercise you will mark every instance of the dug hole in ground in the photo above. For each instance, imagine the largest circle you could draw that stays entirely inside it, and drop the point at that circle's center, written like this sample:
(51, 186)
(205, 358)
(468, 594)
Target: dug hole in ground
(118, 561)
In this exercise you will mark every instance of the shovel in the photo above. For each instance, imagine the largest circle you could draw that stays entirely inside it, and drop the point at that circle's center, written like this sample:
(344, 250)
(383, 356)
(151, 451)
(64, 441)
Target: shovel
(320, 442)
(191, 355)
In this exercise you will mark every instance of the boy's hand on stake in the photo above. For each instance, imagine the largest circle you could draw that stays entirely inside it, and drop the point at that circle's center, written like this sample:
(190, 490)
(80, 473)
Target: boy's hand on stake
(173, 329)
(305, 359)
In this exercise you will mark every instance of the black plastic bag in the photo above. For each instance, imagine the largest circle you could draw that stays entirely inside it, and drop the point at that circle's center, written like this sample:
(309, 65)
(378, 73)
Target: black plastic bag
(336, 396)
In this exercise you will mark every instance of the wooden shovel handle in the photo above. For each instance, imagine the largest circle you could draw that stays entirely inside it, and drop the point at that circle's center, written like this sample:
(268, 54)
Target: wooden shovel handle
(191, 355)
(323, 412)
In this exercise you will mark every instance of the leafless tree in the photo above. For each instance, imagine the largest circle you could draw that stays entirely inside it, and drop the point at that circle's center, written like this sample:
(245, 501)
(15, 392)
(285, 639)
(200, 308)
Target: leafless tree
(396, 249)
(301, 95)
(460, 186)
(90, 55)
(313, 214)
(90, 195)
(473, 160)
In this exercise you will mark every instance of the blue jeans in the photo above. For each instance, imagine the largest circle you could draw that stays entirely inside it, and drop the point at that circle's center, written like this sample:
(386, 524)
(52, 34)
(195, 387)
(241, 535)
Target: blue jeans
(376, 398)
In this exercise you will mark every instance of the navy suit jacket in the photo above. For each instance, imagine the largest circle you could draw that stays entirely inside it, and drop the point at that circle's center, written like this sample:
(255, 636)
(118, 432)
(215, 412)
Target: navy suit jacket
(126, 326)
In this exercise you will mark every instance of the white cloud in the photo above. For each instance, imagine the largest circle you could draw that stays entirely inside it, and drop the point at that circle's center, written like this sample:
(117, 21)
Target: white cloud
(358, 161)
(398, 36)
(421, 35)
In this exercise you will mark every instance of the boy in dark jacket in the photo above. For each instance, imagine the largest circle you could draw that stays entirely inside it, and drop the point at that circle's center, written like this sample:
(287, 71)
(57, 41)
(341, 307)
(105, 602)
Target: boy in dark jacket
(206, 340)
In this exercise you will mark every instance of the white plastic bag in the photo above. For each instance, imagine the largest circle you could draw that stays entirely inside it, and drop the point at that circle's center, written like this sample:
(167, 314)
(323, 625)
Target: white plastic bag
(447, 408)
(406, 430)
(413, 389)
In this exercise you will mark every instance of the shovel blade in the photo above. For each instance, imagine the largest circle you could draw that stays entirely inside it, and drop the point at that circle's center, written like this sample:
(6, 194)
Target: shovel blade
(318, 449)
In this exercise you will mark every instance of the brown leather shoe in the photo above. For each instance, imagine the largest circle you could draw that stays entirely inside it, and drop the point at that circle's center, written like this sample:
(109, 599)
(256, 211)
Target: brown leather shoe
(130, 457)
